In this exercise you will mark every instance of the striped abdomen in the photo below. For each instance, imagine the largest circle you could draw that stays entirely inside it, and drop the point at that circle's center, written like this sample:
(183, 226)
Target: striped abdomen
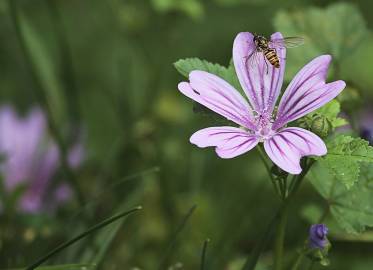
(272, 57)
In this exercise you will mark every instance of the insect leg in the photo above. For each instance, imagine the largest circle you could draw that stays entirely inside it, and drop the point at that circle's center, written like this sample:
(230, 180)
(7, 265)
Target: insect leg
(265, 61)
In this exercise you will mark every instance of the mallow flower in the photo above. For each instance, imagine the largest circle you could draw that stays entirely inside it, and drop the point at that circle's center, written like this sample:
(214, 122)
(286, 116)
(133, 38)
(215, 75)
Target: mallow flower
(30, 158)
(255, 116)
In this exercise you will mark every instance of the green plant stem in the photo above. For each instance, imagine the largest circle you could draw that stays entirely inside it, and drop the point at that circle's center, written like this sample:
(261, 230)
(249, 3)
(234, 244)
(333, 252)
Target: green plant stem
(298, 261)
(280, 238)
(81, 236)
(203, 254)
(266, 236)
(70, 176)
(273, 180)
(280, 233)
(164, 260)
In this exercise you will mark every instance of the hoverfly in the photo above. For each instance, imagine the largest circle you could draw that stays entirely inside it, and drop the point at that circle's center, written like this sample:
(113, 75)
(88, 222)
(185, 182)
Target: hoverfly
(268, 48)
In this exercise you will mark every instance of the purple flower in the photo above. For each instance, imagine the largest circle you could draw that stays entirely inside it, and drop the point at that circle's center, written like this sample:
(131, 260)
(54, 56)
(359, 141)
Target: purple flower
(31, 159)
(317, 236)
(256, 118)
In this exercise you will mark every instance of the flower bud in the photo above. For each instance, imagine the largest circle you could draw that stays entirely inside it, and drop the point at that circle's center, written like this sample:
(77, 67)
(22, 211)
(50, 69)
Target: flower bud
(317, 247)
(317, 236)
(321, 126)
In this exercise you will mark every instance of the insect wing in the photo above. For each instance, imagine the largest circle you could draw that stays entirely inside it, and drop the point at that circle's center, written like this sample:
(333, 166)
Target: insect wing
(287, 42)
(253, 59)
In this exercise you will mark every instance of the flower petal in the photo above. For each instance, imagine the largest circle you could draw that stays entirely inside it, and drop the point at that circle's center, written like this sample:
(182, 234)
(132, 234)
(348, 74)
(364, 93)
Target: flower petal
(219, 96)
(260, 80)
(307, 91)
(229, 141)
(288, 146)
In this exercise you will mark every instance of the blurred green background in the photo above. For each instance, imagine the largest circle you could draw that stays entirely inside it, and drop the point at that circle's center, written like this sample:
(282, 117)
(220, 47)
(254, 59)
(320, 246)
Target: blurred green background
(105, 67)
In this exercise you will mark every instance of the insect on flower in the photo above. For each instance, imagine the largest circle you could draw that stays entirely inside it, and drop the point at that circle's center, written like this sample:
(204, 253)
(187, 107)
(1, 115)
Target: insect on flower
(268, 49)
(255, 117)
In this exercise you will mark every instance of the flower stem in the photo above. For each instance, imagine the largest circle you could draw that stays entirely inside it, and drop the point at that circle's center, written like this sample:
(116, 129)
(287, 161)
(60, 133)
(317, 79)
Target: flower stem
(273, 180)
(280, 238)
(297, 261)
(280, 234)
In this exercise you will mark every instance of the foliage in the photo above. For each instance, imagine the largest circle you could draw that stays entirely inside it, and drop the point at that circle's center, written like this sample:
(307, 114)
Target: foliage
(349, 206)
(337, 30)
(344, 158)
(126, 106)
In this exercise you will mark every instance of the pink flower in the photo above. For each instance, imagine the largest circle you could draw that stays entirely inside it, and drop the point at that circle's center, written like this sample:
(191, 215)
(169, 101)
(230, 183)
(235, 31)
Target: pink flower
(31, 159)
(257, 121)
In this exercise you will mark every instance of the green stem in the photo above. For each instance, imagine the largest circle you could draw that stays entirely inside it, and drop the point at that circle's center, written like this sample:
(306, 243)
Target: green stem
(280, 238)
(273, 180)
(203, 255)
(280, 234)
(80, 236)
(298, 261)
(301, 254)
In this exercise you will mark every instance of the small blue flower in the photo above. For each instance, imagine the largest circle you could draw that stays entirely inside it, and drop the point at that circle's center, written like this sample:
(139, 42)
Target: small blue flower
(317, 237)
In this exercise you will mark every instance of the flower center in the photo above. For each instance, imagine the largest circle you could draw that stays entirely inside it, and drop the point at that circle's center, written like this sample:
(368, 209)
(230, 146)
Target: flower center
(264, 123)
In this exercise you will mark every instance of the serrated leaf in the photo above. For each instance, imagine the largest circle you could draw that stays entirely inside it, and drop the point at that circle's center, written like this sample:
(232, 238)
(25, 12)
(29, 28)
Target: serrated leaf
(185, 66)
(344, 157)
(351, 208)
(336, 30)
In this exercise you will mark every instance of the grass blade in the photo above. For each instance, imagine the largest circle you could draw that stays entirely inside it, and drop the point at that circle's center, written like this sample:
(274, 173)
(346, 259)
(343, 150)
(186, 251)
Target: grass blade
(68, 243)
(203, 255)
(181, 226)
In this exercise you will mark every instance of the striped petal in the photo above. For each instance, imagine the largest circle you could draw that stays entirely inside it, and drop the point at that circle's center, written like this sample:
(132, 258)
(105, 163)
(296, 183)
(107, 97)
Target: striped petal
(307, 91)
(229, 141)
(219, 96)
(260, 80)
(288, 146)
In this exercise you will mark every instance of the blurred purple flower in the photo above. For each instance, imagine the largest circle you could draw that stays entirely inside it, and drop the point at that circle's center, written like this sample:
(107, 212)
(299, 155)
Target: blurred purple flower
(31, 158)
(306, 93)
(366, 126)
(317, 236)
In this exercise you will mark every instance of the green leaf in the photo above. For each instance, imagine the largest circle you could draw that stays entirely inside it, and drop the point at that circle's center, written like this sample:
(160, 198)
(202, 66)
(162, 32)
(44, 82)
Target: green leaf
(44, 66)
(349, 207)
(344, 157)
(185, 66)
(336, 30)
(84, 234)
